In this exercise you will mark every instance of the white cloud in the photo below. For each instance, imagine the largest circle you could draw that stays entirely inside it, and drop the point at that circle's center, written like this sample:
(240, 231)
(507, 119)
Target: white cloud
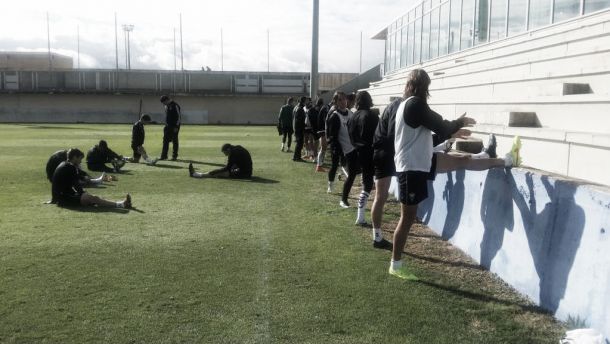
(244, 22)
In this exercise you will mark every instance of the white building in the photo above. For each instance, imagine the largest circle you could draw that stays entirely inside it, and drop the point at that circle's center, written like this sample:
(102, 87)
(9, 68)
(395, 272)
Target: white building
(535, 68)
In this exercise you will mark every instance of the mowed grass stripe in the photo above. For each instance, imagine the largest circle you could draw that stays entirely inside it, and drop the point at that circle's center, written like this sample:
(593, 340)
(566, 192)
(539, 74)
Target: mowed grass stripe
(273, 260)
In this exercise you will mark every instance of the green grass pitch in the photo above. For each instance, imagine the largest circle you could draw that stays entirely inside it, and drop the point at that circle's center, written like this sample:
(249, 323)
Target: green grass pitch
(274, 260)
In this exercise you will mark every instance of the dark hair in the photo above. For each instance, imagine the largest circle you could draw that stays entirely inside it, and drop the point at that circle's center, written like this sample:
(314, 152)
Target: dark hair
(417, 85)
(103, 144)
(351, 97)
(75, 152)
(363, 101)
(320, 102)
(163, 98)
(336, 96)
(145, 118)
(226, 147)
(302, 100)
(289, 100)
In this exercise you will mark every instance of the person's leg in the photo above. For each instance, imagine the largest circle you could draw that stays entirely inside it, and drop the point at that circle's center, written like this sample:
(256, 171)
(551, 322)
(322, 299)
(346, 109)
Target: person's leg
(447, 163)
(289, 140)
(407, 218)
(284, 136)
(136, 154)
(298, 148)
(332, 172)
(166, 138)
(382, 186)
(351, 161)
(321, 153)
(88, 199)
(176, 144)
(99, 167)
(366, 164)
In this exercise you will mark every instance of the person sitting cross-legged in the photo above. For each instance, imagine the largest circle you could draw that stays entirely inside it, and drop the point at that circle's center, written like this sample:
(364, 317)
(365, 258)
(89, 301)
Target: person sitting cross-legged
(239, 164)
(66, 188)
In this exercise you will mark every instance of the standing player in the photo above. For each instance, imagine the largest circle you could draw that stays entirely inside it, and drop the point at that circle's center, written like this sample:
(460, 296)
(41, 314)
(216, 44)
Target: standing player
(416, 162)
(298, 118)
(173, 117)
(284, 123)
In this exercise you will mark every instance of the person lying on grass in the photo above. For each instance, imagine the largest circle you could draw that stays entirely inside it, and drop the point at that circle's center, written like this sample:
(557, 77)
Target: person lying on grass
(66, 188)
(239, 164)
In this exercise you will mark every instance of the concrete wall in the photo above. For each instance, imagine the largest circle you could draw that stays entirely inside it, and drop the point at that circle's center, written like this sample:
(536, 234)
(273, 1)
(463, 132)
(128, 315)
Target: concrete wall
(547, 237)
(33, 61)
(73, 108)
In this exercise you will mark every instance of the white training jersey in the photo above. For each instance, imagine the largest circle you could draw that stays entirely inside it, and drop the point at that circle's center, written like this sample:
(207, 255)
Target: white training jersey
(413, 146)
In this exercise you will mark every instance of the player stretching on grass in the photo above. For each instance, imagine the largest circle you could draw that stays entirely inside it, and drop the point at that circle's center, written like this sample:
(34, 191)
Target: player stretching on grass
(239, 164)
(137, 141)
(67, 190)
(416, 162)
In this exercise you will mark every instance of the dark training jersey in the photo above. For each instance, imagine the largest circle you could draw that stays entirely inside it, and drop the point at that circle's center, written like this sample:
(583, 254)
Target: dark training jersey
(172, 114)
(284, 119)
(65, 181)
(298, 120)
(361, 128)
(137, 134)
(96, 155)
(239, 163)
(56, 159)
(384, 134)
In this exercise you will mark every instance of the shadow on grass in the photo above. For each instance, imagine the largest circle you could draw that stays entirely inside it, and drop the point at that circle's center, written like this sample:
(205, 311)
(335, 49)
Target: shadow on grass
(169, 166)
(195, 162)
(258, 180)
(445, 262)
(34, 126)
(483, 298)
(96, 209)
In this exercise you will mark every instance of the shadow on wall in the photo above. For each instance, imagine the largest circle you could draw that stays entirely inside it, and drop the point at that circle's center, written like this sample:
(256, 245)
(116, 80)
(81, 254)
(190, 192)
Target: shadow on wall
(553, 234)
(496, 214)
(454, 197)
(553, 230)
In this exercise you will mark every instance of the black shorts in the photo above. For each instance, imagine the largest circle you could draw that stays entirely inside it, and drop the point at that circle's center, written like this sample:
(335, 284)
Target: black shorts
(287, 131)
(412, 187)
(384, 164)
(68, 200)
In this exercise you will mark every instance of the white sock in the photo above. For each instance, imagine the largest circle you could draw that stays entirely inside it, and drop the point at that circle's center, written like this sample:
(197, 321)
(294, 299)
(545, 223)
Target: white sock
(377, 234)
(482, 155)
(98, 180)
(364, 197)
(198, 175)
(120, 204)
(344, 171)
(320, 158)
(396, 264)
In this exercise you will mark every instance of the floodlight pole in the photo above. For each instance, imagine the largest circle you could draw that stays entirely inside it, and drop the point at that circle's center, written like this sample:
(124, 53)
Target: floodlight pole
(222, 67)
(49, 43)
(116, 42)
(181, 51)
(78, 46)
(127, 28)
(268, 69)
(313, 86)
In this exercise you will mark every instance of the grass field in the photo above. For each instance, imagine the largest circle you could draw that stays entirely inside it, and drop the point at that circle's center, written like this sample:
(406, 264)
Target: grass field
(274, 260)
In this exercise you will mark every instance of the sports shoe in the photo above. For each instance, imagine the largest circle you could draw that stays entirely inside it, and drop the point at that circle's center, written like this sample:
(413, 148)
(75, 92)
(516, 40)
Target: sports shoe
(288, 150)
(330, 187)
(513, 158)
(152, 162)
(383, 244)
(283, 147)
(491, 146)
(191, 169)
(174, 158)
(344, 204)
(127, 202)
(320, 169)
(403, 273)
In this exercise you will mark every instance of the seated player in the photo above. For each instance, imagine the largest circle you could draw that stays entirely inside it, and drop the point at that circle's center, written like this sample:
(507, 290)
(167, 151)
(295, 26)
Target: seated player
(239, 164)
(100, 155)
(137, 141)
(85, 180)
(67, 191)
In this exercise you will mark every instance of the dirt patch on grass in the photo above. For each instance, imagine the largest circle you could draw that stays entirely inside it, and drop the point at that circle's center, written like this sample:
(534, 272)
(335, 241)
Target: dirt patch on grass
(443, 266)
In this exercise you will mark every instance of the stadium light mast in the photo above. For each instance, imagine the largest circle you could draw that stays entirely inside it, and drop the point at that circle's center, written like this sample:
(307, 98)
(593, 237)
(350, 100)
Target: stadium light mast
(127, 28)
(49, 43)
(181, 51)
(78, 46)
(116, 42)
(313, 82)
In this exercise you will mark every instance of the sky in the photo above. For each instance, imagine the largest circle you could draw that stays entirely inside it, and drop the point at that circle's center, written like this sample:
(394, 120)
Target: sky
(244, 23)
